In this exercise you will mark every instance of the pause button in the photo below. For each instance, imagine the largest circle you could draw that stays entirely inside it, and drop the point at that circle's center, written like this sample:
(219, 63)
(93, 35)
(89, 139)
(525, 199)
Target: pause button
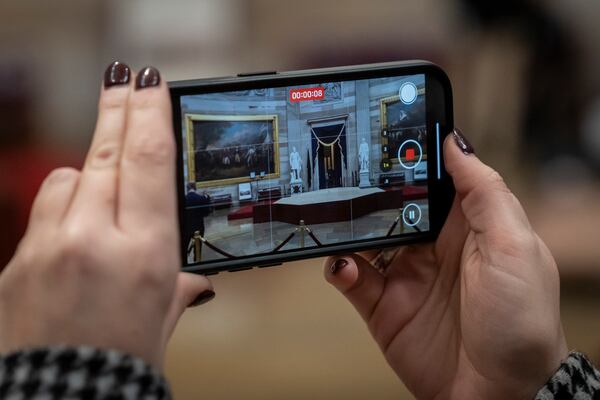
(411, 215)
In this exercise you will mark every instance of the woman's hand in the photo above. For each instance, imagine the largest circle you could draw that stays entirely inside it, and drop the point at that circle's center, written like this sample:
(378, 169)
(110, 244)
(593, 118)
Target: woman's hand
(474, 315)
(99, 264)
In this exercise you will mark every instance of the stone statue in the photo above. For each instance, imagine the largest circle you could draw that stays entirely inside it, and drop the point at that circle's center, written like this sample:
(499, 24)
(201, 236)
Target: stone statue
(363, 156)
(295, 165)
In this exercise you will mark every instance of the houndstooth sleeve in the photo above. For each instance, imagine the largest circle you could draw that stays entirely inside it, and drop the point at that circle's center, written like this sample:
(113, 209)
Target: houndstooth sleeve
(76, 373)
(576, 379)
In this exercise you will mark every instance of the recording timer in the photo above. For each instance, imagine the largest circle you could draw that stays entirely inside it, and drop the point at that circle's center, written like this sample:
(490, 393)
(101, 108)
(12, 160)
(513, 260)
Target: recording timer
(307, 94)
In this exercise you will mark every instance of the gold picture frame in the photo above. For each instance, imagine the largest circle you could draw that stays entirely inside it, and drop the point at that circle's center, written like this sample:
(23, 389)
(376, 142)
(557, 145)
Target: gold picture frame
(383, 105)
(191, 149)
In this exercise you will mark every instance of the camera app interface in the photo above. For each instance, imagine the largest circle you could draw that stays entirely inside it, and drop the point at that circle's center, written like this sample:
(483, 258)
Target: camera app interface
(277, 169)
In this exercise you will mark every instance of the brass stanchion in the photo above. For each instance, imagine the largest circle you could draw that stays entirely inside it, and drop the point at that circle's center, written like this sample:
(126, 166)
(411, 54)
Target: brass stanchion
(197, 246)
(302, 231)
(400, 212)
(396, 221)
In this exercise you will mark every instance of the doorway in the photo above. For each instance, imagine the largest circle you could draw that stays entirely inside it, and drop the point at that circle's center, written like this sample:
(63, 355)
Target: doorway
(329, 146)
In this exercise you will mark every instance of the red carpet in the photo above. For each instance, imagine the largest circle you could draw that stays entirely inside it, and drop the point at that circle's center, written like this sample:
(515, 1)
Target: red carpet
(241, 213)
(245, 211)
(414, 192)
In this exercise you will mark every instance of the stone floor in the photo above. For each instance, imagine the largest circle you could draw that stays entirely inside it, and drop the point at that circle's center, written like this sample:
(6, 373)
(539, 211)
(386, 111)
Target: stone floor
(242, 237)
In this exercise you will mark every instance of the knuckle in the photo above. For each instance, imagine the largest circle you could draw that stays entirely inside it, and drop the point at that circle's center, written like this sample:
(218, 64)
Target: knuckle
(496, 181)
(150, 273)
(151, 277)
(105, 154)
(151, 150)
(74, 245)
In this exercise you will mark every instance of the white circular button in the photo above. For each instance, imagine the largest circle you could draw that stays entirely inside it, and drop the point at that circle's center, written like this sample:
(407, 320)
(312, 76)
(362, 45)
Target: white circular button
(410, 156)
(408, 93)
(411, 215)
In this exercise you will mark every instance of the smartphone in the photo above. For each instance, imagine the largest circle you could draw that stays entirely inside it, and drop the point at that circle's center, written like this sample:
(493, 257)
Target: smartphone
(280, 166)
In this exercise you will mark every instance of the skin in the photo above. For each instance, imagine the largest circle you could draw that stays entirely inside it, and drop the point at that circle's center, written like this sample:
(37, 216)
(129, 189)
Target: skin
(474, 315)
(99, 263)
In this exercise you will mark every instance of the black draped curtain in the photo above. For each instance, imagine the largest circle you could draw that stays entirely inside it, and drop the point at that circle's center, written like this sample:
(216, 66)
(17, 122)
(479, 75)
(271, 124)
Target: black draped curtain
(330, 173)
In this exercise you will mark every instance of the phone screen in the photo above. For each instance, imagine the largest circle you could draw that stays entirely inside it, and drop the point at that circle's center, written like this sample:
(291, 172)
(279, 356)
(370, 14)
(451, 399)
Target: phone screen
(276, 169)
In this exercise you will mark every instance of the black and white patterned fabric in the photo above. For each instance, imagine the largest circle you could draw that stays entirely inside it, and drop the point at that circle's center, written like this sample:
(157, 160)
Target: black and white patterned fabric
(76, 373)
(576, 379)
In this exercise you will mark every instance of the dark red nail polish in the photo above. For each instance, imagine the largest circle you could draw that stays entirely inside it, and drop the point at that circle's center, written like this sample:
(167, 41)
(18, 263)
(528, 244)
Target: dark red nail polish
(147, 77)
(339, 264)
(462, 142)
(116, 73)
(202, 298)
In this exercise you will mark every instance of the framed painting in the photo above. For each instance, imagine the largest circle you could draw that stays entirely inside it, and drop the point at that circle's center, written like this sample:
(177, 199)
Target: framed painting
(400, 122)
(230, 149)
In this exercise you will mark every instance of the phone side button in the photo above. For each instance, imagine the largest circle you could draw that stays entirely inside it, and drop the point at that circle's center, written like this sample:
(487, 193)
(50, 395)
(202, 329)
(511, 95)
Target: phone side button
(269, 265)
(210, 273)
(239, 269)
(247, 74)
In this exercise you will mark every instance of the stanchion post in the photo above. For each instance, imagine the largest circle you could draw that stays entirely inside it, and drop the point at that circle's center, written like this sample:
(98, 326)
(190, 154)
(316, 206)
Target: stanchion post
(197, 246)
(302, 233)
(401, 220)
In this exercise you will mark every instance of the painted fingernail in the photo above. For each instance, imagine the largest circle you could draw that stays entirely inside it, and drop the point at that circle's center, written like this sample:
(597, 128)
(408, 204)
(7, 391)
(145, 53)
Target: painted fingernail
(339, 264)
(116, 73)
(462, 142)
(202, 298)
(147, 77)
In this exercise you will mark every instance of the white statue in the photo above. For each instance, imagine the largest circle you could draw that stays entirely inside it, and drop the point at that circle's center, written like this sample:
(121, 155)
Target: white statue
(363, 155)
(295, 165)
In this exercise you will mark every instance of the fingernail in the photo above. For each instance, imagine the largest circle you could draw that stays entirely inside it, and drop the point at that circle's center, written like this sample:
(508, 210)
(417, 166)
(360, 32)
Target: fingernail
(147, 77)
(202, 298)
(116, 73)
(339, 264)
(462, 142)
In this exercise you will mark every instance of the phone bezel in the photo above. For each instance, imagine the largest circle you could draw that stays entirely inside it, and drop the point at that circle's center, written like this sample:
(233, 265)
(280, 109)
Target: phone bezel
(438, 108)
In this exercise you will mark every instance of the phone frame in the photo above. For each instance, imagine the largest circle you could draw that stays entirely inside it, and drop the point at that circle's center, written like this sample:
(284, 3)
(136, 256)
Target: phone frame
(439, 109)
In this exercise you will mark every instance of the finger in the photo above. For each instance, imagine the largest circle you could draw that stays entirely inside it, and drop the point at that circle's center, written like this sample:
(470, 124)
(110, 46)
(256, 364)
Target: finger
(357, 280)
(98, 184)
(191, 290)
(54, 197)
(147, 175)
(486, 201)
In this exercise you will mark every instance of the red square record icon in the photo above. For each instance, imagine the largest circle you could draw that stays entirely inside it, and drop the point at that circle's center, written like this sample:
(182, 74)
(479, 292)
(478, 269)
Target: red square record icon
(410, 154)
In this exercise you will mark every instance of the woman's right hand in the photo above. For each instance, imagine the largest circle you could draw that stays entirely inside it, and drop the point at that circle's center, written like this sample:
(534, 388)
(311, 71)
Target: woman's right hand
(474, 315)
(99, 264)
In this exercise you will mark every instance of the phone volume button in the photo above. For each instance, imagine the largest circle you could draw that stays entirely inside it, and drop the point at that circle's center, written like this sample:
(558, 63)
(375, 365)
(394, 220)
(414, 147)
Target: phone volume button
(269, 265)
(239, 269)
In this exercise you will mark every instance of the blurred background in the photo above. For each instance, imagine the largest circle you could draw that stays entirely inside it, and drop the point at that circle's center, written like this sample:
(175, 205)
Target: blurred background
(527, 94)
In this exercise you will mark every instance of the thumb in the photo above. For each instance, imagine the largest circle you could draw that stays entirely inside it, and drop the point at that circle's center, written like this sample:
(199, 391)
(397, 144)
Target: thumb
(357, 280)
(190, 290)
(486, 201)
